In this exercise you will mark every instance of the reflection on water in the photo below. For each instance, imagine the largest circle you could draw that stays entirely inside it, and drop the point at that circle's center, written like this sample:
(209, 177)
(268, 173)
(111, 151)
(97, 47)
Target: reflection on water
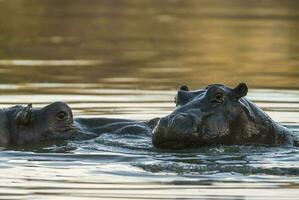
(150, 43)
(125, 58)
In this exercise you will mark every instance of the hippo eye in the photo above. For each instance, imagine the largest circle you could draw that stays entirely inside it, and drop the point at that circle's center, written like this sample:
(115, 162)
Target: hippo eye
(61, 115)
(218, 98)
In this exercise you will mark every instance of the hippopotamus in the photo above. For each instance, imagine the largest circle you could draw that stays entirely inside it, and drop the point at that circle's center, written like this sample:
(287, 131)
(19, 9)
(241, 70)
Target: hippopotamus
(23, 125)
(216, 115)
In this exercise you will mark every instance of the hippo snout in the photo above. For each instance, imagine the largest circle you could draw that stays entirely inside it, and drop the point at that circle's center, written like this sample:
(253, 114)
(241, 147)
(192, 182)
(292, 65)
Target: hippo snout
(174, 132)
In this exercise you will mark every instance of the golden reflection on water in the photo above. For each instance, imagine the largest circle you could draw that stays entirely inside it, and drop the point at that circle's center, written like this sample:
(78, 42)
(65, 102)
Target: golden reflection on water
(149, 43)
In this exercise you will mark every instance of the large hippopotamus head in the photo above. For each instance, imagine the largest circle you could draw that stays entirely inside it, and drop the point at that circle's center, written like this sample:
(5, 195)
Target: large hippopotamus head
(213, 115)
(25, 125)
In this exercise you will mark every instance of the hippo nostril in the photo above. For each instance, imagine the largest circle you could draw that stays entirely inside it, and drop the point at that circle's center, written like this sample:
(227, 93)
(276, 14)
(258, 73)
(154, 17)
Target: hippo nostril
(180, 117)
(176, 121)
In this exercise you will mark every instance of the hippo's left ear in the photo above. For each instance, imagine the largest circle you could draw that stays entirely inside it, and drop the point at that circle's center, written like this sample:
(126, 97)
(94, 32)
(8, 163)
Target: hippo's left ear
(25, 115)
(240, 91)
(183, 95)
(184, 88)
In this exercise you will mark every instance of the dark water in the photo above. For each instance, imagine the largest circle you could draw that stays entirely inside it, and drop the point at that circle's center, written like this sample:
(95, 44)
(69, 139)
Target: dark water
(125, 59)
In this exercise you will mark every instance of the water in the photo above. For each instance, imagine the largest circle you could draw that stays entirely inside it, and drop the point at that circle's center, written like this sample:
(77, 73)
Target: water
(126, 59)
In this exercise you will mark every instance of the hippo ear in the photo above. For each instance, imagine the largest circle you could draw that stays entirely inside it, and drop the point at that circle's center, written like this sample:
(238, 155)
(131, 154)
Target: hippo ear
(24, 116)
(183, 97)
(184, 88)
(240, 91)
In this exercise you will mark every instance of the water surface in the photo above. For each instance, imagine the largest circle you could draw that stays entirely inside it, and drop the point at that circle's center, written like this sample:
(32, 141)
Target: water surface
(125, 59)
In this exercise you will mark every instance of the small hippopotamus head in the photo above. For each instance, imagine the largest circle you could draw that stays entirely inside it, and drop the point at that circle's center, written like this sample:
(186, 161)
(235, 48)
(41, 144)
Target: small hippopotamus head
(202, 117)
(26, 125)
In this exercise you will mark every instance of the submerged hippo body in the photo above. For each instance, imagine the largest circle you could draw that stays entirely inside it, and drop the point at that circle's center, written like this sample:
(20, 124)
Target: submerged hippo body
(217, 115)
(21, 125)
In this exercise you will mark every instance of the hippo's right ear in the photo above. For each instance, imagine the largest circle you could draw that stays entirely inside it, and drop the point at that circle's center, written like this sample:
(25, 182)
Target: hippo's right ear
(240, 91)
(24, 116)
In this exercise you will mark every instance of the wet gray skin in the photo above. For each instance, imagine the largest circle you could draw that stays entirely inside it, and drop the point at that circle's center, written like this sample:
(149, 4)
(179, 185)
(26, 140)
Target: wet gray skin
(21, 125)
(217, 115)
